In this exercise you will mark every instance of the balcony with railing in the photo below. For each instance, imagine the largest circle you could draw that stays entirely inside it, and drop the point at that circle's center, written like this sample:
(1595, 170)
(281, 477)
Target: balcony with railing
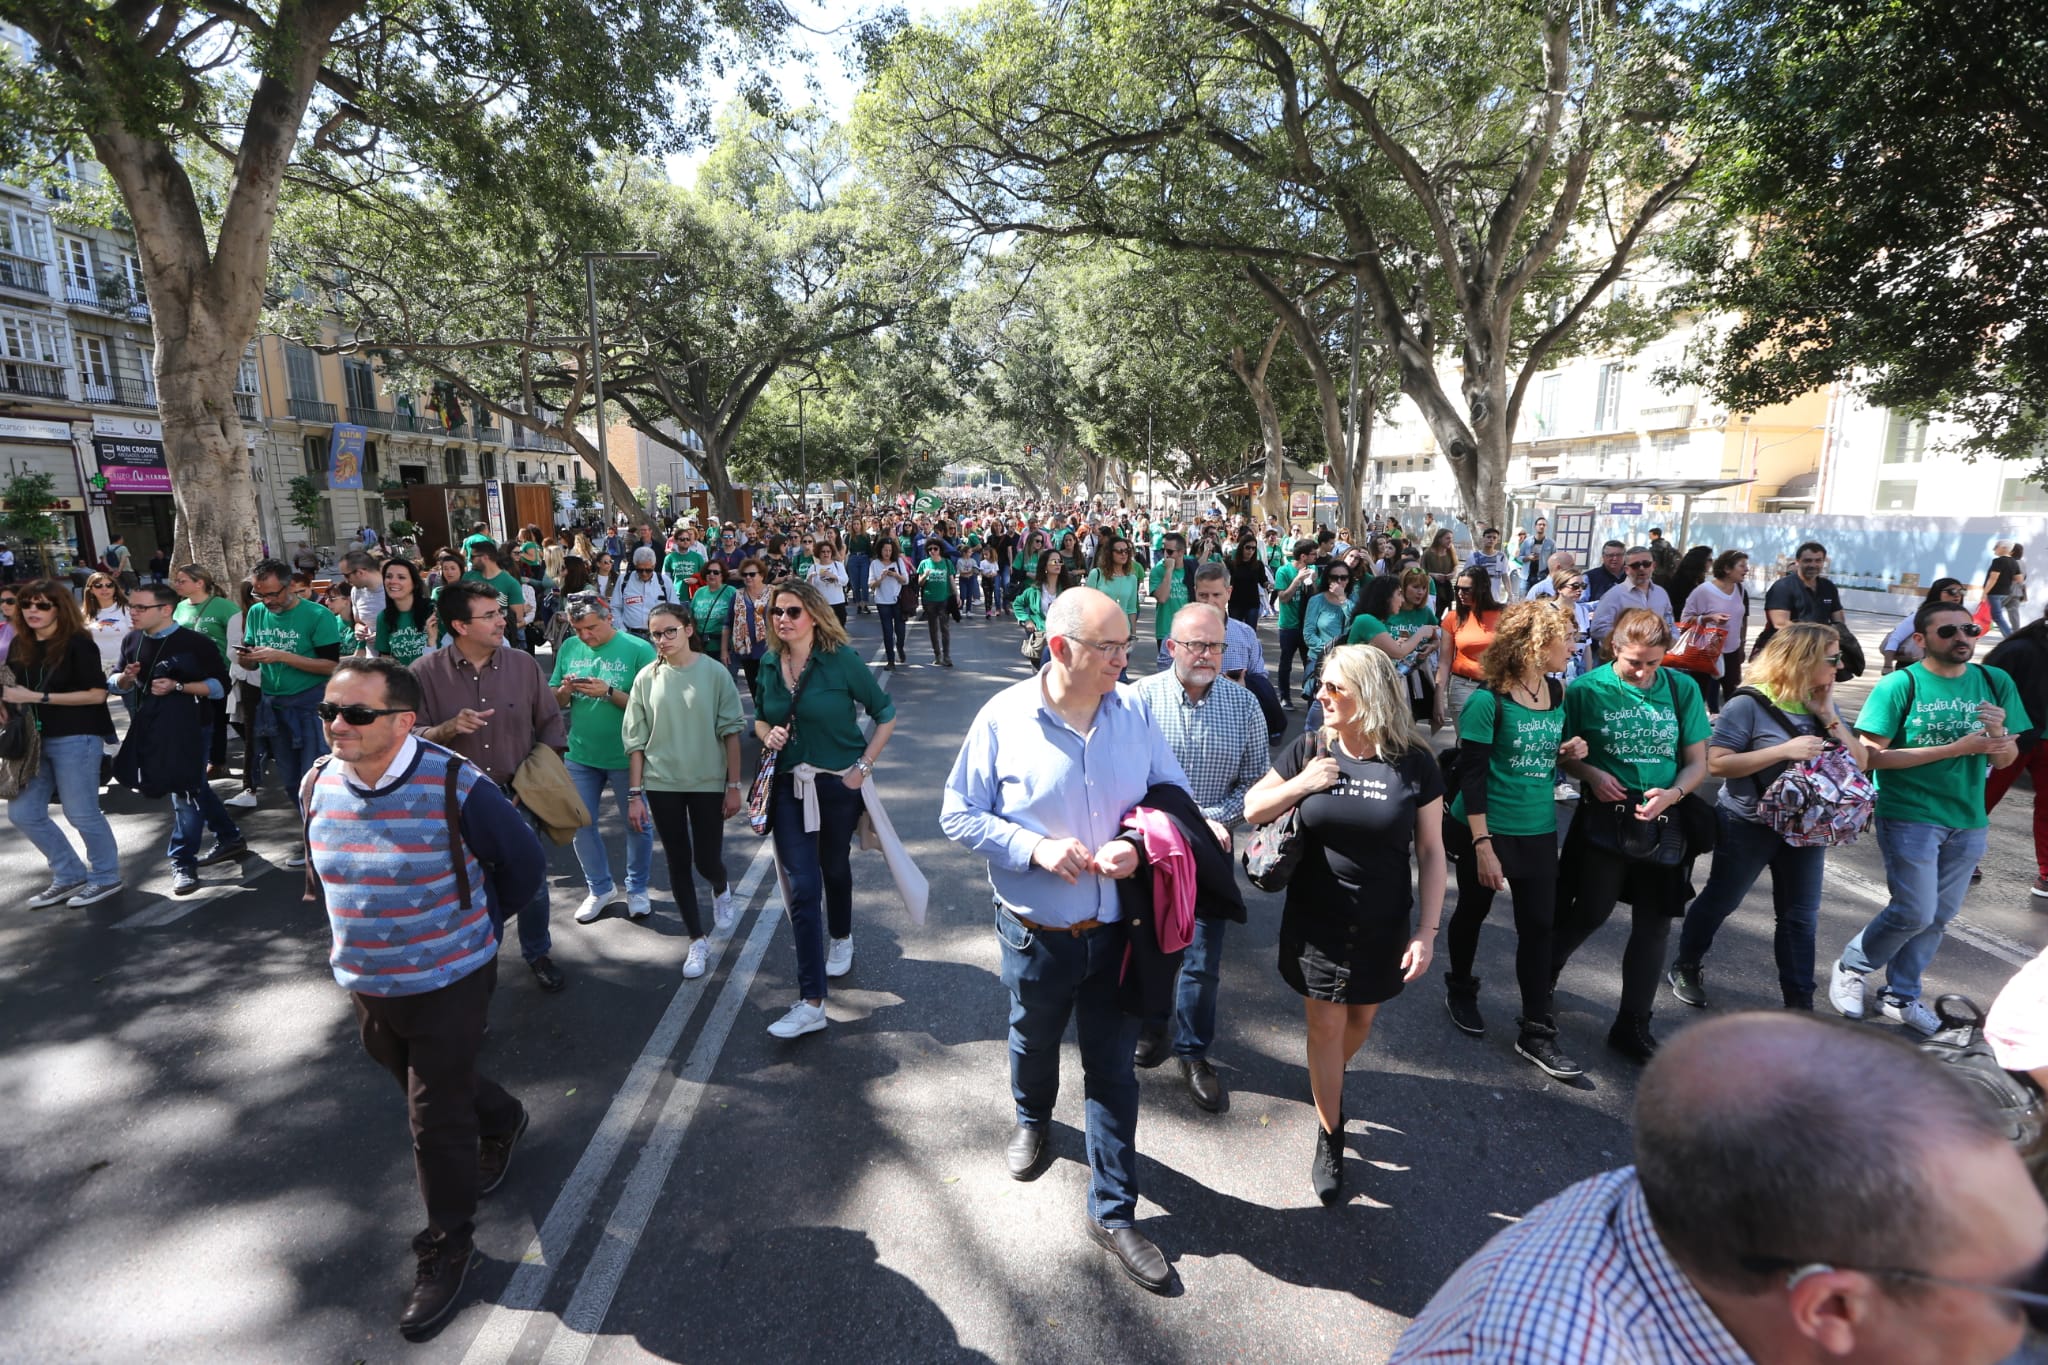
(312, 410)
(459, 430)
(82, 293)
(245, 406)
(116, 390)
(24, 274)
(33, 381)
(374, 418)
(524, 438)
(490, 431)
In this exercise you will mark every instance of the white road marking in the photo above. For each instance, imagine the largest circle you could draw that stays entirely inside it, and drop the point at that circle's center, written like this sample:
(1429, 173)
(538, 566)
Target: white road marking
(172, 909)
(1989, 941)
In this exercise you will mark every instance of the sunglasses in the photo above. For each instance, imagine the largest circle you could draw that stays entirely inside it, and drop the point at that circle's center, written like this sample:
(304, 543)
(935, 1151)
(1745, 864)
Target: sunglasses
(1969, 630)
(1578, 586)
(358, 716)
(1638, 564)
(750, 573)
(786, 613)
(39, 606)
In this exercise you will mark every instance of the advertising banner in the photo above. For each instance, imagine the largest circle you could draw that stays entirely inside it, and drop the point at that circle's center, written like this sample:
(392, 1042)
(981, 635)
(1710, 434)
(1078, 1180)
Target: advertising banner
(132, 465)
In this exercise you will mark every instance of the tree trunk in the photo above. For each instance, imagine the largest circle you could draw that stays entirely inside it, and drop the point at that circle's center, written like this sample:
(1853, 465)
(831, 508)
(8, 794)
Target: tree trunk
(219, 527)
(1273, 495)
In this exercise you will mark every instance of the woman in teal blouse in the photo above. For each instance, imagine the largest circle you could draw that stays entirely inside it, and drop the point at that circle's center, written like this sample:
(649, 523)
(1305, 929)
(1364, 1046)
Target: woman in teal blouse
(711, 609)
(808, 648)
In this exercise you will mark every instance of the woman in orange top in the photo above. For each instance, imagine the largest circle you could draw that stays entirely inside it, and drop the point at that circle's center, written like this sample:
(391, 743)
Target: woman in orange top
(1467, 631)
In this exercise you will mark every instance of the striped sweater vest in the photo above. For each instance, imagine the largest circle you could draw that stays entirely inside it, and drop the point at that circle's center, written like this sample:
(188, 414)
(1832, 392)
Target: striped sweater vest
(387, 875)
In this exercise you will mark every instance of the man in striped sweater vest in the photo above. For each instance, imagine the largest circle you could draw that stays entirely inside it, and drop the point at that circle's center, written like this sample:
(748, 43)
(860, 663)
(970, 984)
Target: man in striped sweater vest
(416, 855)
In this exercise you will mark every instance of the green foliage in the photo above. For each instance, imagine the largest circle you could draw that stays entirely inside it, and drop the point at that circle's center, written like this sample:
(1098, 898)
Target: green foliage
(26, 522)
(585, 493)
(305, 500)
(1880, 170)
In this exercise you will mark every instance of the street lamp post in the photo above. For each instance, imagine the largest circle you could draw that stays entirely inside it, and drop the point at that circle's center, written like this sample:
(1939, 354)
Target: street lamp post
(604, 459)
(803, 456)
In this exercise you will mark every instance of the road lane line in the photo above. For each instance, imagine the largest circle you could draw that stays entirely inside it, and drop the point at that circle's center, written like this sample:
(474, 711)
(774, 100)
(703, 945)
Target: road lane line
(2000, 946)
(513, 1311)
(581, 1321)
(169, 911)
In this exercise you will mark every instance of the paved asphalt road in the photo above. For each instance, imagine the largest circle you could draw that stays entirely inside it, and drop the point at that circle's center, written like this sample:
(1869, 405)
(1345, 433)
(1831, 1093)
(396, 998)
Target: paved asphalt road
(199, 1164)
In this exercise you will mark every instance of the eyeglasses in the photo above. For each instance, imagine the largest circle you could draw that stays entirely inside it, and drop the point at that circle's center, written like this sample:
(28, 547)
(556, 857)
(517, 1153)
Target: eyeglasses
(1639, 564)
(1109, 649)
(275, 593)
(494, 614)
(1198, 646)
(358, 716)
(1578, 585)
(1337, 578)
(786, 613)
(668, 634)
(6, 601)
(1969, 629)
(2029, 1301)
(1833, 661)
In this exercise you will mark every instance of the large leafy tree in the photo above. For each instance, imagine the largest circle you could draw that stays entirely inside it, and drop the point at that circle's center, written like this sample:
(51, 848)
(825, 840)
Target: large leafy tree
(1485, 171)
(1886, 166)
(202, 110)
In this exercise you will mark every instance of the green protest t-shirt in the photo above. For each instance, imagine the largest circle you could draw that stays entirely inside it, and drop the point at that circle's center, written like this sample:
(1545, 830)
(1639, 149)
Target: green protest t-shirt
(1631, 733)
(1520, 797)
(405, 642)
(594, 723)
(938, 578)
(510, 595)
(1290, 609)
(1948, 792)
(301, 630)
(1176, 598)
(209, 619)
(673, 564)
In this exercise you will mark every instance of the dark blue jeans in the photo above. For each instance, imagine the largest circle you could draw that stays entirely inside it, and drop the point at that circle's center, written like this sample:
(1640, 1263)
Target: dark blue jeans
(192, 813)
(1051, 977)
(299, 738)
(893, 625)
(1194, 995)
(819, 868)
(1745, 848)
(1290, 645)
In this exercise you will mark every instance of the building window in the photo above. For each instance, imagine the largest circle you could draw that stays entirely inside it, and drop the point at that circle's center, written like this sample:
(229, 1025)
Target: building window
(315, 454)
(245, 375)
(1546, 404)
(489, 461)
(131, 270)
(522, 471)
(1607, 402)
(359, 386)
(370, 476)
(561, 473)
(1905, 439)
(452, 468)
(24, 234)
(75, 260)
(1896, 495)
(2022, 495)
(302, 372)
(95, 367)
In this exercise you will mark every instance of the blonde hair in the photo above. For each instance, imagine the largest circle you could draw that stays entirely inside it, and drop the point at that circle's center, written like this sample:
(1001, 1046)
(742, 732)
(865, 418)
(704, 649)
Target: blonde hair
(1640, 626)
(1524, 631)
(1382, 700)
(1784, 667)
(829, 634)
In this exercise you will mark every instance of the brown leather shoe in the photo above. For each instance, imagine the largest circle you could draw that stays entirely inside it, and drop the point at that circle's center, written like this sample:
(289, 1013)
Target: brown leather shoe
(437, 1283)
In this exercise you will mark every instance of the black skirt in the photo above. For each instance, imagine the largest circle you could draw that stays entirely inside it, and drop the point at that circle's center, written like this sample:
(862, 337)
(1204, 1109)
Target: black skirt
(1346, 954)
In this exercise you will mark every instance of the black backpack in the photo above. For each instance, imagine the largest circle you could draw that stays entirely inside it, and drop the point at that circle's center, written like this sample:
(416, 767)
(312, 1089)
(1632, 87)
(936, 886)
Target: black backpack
(2012, 1096)
(1449, 761)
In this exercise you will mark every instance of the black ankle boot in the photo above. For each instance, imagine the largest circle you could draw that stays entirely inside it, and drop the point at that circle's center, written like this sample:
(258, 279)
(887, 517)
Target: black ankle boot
(1326, 1168)
(1631, 1035)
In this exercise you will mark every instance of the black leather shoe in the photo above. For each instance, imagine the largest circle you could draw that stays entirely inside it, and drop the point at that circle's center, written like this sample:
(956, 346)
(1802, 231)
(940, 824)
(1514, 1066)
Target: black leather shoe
(548, 974)
(1141, 1260)
(1326, 1168)
(1203, 1082)
(224, 853)
(436, 1285)
(1026, 1152)
(1151, 1049)
(494, 1155)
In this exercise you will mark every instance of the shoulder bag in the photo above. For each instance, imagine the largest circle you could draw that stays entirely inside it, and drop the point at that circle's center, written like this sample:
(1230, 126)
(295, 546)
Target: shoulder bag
(1819, 803)
(760, 802)
(1276, 849)
(1612, 827)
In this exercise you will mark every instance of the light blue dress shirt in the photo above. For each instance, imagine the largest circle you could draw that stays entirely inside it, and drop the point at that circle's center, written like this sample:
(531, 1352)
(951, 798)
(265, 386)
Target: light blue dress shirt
(1024, 775)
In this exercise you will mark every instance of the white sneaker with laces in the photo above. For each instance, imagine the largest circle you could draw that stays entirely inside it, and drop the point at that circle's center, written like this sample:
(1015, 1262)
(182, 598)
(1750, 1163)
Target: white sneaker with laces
(1914, 1014)
(698, 959)
(247, 800)
(839, 956)
(723, 911)
(592, 907)
(1565, 791)
(803, 1017)
(1845, 992)
(638, 906)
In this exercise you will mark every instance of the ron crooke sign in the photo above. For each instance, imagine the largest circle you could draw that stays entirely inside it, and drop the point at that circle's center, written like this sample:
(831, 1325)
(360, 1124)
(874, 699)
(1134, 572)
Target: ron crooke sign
(131, 454)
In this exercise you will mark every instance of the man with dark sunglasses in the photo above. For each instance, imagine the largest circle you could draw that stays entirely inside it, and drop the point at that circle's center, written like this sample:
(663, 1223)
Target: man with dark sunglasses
(1636, 591)
(415, 856)
(1769, 1218)
(1938, 727)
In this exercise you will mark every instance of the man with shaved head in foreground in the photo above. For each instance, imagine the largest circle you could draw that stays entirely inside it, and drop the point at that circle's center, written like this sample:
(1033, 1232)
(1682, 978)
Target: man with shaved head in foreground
(1803, 1191)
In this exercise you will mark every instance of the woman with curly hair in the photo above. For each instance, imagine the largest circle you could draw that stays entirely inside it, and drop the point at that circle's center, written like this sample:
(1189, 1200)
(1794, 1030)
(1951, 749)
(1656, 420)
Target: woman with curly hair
(1501, 829)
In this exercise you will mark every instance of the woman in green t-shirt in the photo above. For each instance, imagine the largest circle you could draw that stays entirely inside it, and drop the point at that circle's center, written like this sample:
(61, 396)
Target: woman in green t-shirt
(406, 628)
(1404, 634)
(1035, 601)
(1116, 574)
(1502, 825)
(1646, 750)
(711, 606)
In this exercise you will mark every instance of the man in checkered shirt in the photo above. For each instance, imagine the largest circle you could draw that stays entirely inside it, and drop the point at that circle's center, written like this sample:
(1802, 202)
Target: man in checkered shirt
(1803, 1191)
(1216, 730)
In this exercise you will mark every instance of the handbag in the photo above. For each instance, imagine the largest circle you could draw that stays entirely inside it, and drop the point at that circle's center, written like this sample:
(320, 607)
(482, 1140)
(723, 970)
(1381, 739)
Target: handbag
(1822, 802)
(1612, 827)
(1698, 647)
(1033, 645)
(1276, 849)
(16, 770)
(760, 806)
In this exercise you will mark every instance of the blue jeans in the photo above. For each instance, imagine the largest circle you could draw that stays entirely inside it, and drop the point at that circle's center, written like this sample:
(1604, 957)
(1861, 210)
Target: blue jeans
(69, 771)
(894, 623)
(2005, 613)
(857, 570)
(1052, 976)
(1194, 996)
(299, 739)
(534, 938)
(819, 868)
(1741, 853)
(590, 855)
(968, 584)
(1927, 869)
(195, 811)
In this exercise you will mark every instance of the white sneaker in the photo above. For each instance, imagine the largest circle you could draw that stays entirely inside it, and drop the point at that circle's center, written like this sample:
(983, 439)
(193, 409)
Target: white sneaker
(247, 800)
(297, 857)
(1845, 992)
(839, 956)
(803, 1017)
(697, 961)
(592, 907)
(723, 911)
(1565, 791)
(92, 893)
(1914, 1014)
(54, 893)
(638, 906)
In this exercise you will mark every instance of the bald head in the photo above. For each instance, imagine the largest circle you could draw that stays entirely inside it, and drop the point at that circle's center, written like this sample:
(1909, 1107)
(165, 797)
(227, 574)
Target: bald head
(1773, 1135)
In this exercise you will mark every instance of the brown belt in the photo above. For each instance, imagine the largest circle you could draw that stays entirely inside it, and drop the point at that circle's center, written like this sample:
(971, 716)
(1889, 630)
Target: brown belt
(1075, 929)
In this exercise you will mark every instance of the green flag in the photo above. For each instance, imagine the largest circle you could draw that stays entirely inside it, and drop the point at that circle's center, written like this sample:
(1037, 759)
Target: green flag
(929, 501)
